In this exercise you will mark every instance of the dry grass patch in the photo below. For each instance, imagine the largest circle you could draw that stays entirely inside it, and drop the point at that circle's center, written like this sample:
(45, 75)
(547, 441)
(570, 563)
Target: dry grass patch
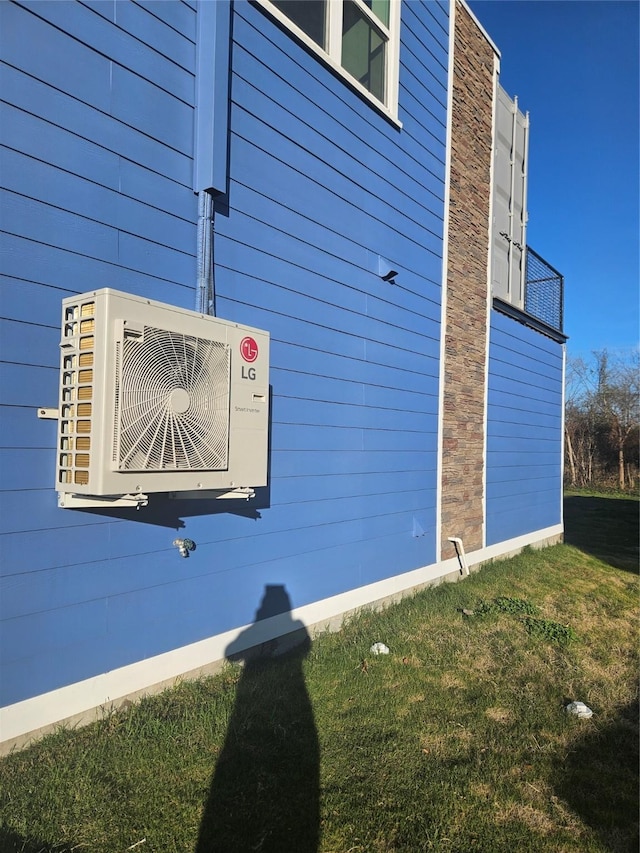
(419, 697)
(481, 665)
(412, 661)
(461, 737)
(452, 681)
(482, 790)
(534, 819)
(499, 715)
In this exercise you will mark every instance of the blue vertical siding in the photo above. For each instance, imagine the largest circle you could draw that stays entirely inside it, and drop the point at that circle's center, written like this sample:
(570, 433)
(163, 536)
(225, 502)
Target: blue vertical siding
(98, 191)
(524, 436)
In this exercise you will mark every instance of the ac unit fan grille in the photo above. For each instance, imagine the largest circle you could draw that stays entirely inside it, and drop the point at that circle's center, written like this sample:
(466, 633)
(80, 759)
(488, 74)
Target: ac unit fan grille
(172, 403)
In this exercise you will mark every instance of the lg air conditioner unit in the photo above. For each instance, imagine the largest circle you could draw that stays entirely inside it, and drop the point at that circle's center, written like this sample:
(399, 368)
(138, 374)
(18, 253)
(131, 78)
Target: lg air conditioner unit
(155, 398)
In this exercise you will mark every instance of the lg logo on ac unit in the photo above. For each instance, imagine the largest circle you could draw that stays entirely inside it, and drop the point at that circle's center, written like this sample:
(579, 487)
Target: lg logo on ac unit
(249, 352)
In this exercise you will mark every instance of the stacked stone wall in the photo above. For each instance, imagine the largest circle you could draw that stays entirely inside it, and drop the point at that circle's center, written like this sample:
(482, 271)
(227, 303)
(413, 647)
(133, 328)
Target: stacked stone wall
(467, 282)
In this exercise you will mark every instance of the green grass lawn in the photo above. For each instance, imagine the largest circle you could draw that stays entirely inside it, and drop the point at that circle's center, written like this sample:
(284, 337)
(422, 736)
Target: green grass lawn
(456, 741)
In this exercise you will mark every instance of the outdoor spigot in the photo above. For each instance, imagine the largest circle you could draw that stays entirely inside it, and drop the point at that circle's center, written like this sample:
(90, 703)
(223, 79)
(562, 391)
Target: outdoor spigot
(184, 546)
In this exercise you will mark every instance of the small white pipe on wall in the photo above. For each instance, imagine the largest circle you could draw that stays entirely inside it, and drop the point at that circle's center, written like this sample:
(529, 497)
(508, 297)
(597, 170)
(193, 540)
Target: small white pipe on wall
(462, 557)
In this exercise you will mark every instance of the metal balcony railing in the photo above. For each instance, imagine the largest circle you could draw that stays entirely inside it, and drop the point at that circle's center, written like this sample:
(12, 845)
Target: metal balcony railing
(543, 291)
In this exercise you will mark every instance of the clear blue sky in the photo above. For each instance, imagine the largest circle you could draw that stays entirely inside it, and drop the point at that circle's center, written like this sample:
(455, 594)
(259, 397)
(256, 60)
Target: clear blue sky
(574, 66)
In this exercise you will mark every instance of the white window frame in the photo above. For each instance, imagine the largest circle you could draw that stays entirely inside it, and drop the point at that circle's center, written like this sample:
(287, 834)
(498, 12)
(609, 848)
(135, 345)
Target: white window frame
(333, 54)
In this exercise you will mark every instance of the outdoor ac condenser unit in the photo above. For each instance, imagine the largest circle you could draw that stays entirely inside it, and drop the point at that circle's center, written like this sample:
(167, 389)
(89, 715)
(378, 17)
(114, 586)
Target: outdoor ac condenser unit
(155, 398)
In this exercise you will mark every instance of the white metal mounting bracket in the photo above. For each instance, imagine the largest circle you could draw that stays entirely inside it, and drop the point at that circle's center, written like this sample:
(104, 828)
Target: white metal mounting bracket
(48, 414)
(68, 500)
(240, 493)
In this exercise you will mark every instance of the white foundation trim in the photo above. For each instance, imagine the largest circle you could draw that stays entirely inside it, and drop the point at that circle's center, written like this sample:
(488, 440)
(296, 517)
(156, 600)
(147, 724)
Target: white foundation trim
(82, 702)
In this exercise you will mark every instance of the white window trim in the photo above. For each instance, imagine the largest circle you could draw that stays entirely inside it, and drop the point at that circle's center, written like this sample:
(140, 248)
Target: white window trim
(333, 55)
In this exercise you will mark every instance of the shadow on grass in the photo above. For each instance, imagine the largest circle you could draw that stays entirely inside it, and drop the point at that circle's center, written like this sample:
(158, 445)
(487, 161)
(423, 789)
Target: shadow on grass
(599, 780)
(607, 528)
(13, 842)
(264, 793)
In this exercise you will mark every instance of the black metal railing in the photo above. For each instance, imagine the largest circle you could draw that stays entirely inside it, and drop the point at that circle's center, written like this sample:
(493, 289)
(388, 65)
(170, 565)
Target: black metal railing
(543, 291)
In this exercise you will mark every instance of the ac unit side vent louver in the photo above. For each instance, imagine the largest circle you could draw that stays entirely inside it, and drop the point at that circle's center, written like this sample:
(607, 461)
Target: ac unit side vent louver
(78, 326)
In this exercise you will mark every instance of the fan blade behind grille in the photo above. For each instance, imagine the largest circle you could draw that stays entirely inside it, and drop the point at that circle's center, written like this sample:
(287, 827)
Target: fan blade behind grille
(173, 403)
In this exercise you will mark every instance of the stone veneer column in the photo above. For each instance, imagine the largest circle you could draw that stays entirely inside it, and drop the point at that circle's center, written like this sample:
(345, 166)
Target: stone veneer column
(467, 281)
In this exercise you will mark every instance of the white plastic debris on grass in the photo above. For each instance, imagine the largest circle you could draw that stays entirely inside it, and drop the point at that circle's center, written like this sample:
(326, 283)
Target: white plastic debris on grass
(579, 709)
(379, 649)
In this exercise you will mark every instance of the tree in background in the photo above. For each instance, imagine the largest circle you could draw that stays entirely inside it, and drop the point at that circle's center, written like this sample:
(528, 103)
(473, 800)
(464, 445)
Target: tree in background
(602, 421)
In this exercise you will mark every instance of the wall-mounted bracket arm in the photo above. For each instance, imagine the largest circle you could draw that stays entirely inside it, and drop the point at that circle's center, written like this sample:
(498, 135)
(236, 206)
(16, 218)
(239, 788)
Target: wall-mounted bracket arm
(68, 500)
(240, 493)
(49, 414)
